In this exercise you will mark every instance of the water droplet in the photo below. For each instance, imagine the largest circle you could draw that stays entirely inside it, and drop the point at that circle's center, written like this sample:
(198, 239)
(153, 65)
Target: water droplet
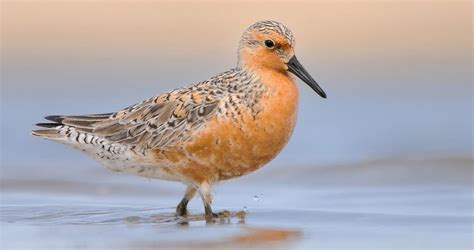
(245, 209)
(255, 197)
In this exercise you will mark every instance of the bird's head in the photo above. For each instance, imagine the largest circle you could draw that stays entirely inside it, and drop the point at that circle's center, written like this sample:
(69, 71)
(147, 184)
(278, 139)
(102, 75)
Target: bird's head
(269, 45)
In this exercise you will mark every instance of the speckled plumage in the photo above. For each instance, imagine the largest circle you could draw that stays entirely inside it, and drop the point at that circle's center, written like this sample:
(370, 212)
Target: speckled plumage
(160, 122)
(221, 128)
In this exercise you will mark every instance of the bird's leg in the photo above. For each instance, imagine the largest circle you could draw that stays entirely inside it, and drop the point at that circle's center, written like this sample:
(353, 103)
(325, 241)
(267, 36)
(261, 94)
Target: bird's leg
(182, 208)
(206, 196)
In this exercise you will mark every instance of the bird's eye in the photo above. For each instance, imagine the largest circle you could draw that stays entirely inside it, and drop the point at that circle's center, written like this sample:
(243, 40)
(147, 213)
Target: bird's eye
(269, 43)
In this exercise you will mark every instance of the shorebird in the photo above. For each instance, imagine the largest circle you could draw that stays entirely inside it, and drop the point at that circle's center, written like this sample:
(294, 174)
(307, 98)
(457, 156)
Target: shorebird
(211, 131)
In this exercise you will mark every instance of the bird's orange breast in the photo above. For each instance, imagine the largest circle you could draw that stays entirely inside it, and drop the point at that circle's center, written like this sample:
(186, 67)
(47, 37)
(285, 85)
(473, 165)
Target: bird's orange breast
(229, 148)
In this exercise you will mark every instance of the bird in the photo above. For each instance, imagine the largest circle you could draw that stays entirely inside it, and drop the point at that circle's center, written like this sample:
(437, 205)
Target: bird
(202, 134)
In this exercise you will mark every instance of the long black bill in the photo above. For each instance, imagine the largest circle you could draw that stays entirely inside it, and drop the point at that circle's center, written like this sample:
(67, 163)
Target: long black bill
(295, 67)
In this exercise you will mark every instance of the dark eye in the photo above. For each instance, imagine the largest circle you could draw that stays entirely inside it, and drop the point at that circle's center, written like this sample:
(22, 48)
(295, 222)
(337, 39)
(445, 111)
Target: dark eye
(269, 43)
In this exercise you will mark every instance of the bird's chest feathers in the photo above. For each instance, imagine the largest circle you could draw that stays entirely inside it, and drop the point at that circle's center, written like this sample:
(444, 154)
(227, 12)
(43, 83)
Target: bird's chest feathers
(277, 117)
(258, 139)
(253, 139)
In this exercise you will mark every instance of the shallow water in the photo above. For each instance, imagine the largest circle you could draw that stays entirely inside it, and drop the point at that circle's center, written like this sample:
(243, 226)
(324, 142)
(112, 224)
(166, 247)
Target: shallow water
(313, 208)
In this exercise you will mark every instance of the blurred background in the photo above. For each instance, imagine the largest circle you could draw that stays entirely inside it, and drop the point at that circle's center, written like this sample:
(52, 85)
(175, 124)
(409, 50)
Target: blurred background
(398, 76)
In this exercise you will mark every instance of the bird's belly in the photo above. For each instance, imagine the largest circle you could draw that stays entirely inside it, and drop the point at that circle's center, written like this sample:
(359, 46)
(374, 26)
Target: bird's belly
(246, 147)
(138, 164)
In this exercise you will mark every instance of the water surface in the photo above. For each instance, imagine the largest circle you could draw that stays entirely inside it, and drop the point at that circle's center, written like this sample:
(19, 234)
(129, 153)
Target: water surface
(340, 206)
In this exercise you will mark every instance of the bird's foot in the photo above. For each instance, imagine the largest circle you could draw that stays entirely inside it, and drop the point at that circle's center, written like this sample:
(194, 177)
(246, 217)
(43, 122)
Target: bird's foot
(210, 217)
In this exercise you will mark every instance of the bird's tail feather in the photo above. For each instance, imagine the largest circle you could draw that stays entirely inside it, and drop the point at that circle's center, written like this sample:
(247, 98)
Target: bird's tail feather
(51, 133)
(58, 123)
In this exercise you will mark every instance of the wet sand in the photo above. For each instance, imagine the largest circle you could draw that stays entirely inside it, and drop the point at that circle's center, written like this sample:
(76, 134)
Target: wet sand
(389, 204)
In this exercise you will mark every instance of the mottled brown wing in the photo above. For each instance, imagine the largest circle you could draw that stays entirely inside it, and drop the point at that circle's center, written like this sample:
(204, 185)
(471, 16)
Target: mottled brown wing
(155, 123)
(159, 121)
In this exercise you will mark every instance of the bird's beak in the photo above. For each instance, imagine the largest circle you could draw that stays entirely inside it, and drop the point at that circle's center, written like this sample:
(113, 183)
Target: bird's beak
(295, 67)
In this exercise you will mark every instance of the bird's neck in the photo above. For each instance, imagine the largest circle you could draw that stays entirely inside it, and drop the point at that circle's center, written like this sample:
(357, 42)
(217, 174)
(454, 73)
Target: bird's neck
(272, 80)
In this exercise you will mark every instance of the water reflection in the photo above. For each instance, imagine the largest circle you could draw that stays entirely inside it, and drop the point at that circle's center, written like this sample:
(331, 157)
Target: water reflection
(106, 215)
